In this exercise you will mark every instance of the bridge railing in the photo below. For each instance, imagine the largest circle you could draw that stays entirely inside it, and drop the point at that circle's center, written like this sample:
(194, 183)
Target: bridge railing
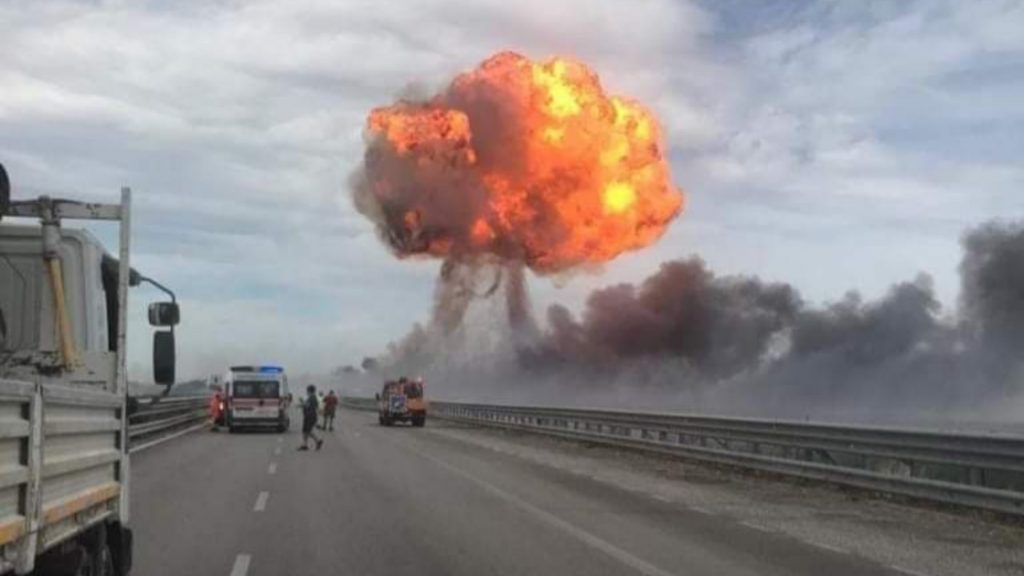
(151, 420)
(975, 470)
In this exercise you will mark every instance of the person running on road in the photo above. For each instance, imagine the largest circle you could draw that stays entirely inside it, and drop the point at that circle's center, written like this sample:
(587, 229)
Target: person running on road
(309, 418)
(330, 407)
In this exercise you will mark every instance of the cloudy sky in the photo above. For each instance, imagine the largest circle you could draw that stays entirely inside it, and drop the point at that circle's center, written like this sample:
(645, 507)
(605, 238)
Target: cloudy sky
(836, 145)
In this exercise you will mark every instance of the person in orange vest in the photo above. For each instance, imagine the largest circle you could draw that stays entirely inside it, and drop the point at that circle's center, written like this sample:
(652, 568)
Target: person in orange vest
(217, 409)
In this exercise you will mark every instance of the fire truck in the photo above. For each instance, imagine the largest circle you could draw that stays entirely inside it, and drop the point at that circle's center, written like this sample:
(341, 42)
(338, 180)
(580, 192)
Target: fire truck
(256, 397)
(402, 400)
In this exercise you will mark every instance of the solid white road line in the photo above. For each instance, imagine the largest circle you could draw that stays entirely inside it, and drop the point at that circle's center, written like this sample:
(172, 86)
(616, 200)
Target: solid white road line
(829, 547)
(241, 565)
(907, 571)
(572, 530)
(261, 502)
(273, 468)
(161, 440)
(757, 527)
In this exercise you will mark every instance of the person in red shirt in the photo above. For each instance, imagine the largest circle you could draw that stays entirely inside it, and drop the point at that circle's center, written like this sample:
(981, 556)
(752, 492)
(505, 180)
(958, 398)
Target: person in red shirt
(330, 407)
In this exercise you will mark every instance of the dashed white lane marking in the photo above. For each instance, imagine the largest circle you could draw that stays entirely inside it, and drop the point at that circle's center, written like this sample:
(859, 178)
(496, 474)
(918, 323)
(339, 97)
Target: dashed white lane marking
(280, 439)
(661, 498)
(700, 510)
(261, 502)
(272, 469)
(580, 534)
(277, 451)
(241, 566)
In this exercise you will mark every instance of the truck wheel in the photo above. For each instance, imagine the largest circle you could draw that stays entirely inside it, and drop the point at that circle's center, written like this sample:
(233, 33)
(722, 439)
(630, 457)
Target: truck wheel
(103, 561)
(72, 560)
(80, 563)
(419, 421)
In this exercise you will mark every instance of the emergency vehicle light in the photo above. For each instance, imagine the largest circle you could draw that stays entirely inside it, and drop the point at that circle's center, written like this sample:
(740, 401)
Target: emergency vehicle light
(262, 369)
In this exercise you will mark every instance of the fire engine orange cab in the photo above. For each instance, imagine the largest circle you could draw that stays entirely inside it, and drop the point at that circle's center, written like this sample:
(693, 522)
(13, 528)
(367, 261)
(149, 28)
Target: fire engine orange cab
(402, 400)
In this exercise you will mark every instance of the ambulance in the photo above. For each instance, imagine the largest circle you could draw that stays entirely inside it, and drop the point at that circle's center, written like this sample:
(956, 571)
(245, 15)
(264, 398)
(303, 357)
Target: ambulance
(256, 397)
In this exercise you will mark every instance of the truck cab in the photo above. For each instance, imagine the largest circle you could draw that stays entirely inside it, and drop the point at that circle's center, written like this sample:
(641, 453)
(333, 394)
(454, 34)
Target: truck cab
(402, 400)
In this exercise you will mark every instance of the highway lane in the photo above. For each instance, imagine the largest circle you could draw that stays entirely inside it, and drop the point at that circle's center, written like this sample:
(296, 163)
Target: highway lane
(395, 501)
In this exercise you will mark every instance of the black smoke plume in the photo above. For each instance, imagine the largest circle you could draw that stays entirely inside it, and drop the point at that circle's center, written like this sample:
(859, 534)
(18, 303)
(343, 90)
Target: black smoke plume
(686, 339)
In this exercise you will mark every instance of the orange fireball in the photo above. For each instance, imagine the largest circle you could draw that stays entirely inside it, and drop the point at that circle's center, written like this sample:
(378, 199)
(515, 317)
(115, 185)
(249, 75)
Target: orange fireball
(527, 161)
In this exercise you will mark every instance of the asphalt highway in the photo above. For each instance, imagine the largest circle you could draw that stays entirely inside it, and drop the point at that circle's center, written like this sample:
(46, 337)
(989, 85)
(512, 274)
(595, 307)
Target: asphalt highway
(400, 500)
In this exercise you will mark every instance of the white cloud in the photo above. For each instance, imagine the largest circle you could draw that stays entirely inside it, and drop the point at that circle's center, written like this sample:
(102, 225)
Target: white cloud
(827, 135)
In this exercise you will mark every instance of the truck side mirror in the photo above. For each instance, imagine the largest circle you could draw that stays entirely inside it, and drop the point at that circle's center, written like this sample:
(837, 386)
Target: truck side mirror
(163, 357)
(164, 314)
(5, 191)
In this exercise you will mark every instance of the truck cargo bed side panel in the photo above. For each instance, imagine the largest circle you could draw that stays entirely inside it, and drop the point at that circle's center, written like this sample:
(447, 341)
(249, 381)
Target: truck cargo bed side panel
(16, 511)
(81, 452)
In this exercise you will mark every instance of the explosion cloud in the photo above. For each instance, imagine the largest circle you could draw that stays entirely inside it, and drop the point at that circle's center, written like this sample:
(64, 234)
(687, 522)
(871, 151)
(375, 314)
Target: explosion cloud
(520, 163)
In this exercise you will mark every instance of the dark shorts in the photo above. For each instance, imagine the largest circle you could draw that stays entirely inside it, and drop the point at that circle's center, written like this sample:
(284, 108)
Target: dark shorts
(308, 426)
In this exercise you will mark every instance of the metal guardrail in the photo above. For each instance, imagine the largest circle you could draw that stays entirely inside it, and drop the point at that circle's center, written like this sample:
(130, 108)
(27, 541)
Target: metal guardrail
(152, 419)
(973, 470)
(361, 403)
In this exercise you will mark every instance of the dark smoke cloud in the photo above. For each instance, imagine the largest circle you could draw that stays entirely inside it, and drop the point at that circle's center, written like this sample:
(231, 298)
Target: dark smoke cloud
(873, 332)
(992, 296)
(686, 339)
(721, 326)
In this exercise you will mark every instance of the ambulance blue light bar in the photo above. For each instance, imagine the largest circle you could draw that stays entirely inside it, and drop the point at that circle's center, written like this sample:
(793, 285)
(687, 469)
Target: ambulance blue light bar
(262, 369)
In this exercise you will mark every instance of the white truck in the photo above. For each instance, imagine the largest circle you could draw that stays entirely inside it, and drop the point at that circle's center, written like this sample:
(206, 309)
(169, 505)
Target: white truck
(64, 459)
